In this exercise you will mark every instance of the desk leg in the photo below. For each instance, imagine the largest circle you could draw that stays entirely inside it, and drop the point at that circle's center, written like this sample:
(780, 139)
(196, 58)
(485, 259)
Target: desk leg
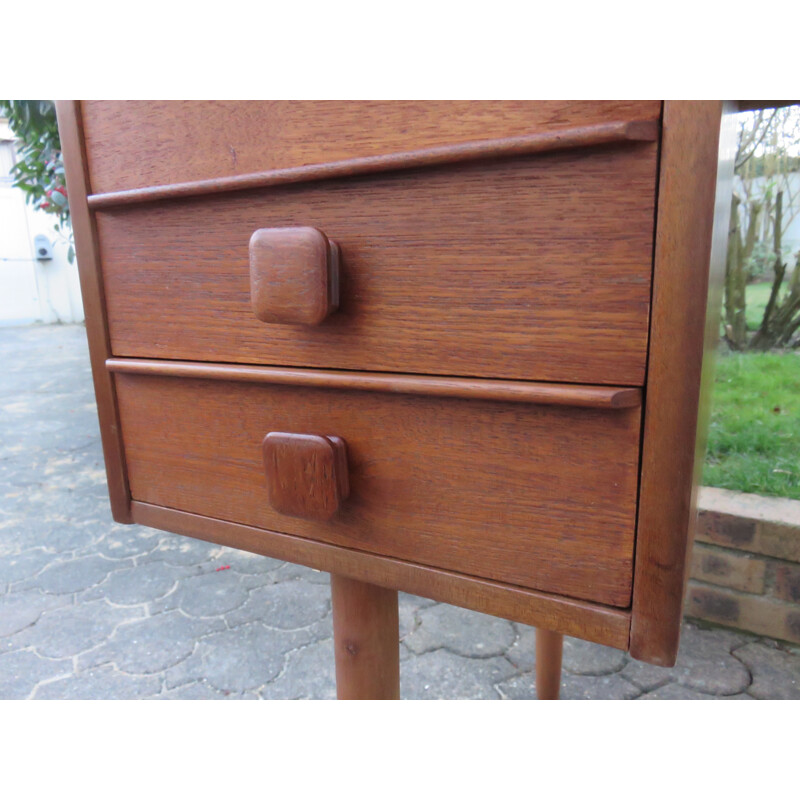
(548, 664)
(366, 639)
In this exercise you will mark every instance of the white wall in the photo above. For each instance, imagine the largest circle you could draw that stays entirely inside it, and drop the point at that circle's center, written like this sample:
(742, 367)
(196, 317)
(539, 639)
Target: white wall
(31, 290)
(791, 237)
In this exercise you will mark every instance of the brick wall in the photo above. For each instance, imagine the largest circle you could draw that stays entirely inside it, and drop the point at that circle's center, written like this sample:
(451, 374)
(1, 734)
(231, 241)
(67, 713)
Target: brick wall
(746, 563)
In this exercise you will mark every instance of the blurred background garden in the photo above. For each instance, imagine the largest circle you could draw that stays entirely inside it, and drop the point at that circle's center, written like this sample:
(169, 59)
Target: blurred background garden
(754, 435)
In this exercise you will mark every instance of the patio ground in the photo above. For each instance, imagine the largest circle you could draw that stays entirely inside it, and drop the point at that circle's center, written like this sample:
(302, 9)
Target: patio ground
(92, 609)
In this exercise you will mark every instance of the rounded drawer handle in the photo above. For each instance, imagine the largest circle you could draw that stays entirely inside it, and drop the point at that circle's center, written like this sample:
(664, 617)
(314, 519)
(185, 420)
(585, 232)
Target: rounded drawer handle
(306, 474)
(294, 275)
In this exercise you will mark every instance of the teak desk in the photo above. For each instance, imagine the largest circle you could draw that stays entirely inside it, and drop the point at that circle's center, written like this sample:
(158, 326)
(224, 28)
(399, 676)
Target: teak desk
(448, 348)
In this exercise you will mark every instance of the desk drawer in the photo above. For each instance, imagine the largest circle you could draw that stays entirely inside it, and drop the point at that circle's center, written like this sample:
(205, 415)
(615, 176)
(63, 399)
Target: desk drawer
(138, 144)
(532, 267)
(534, 495)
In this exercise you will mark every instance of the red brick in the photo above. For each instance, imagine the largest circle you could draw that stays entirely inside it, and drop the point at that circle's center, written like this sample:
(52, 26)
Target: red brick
(725, 530)
(714, 605)
(728, 568)
(757, 614)
(787, 583)
(766, 525)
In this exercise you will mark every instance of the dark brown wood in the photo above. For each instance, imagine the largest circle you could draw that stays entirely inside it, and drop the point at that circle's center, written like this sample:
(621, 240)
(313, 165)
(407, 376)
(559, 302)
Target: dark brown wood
(532, 269)
(535, 496)
(151, 143)
(680, 325)
(294, 275)
(549, 649)
(366, 640)
(595, 623)
(563, 394)
(71, 133)
(758, 105)
(306, 475)
(572, 138)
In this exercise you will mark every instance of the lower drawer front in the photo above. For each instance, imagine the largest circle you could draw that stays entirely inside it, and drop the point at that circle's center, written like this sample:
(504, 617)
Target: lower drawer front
(532, 495)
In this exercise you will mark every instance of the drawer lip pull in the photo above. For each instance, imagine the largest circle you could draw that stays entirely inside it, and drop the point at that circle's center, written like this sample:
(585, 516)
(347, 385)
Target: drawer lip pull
(561, 394)
(606, 133)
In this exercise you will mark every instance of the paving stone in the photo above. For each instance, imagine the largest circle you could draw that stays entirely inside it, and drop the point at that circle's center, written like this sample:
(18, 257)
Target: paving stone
(183, 551)
(22, 670)
(73, 629)
(287, 606)
(409, 606)
(238, 660)
(441, 675)
(647, 676)
(137, 584)
(19, 567)
(776, 673)
(74, 575)
(597, 687)
(20, 609)
(580, 657)
(290, 572)
(246, 563)
(103, 683)
(522, 653)
(72, 537)
(674, 691)
(309, 674)
(126, 541)
(206, 595)
(466, 633)
(588, 658)
(573, 687)
(151, 644)
(199, 690)
(705, 662)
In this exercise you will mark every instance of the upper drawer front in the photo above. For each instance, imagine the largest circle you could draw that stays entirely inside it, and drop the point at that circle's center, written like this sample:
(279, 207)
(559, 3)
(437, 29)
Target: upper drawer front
(531, 267)
(131, 145)
(532, 495)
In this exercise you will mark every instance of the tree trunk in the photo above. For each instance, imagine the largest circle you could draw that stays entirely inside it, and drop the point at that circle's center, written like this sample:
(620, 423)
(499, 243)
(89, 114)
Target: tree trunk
(735, 328)
(768, 333)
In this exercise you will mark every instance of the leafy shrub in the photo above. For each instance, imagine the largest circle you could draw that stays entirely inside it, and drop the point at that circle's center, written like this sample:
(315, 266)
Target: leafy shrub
(39, 170)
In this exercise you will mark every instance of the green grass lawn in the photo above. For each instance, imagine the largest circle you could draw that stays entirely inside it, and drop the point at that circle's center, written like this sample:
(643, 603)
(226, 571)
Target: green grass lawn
(756, 297)
(754, 436)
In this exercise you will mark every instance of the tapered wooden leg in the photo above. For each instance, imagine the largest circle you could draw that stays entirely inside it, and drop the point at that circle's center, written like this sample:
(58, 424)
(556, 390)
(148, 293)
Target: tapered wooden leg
(366, 639)
(548, 664)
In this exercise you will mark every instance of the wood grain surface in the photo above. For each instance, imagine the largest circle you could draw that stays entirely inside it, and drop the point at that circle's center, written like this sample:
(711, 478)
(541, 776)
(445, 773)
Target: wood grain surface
(607, 133)
(557, 394)
(70, 127)
(536, 496)
(549, 653)
(690, 182)
(294, 276)
(366, 639)
(306, 474)
(596, 623)
(133, 144)
(534, 268)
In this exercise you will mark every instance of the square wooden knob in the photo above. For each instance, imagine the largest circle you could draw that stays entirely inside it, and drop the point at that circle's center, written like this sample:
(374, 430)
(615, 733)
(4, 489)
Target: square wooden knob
(306, 474)
(294, 275)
